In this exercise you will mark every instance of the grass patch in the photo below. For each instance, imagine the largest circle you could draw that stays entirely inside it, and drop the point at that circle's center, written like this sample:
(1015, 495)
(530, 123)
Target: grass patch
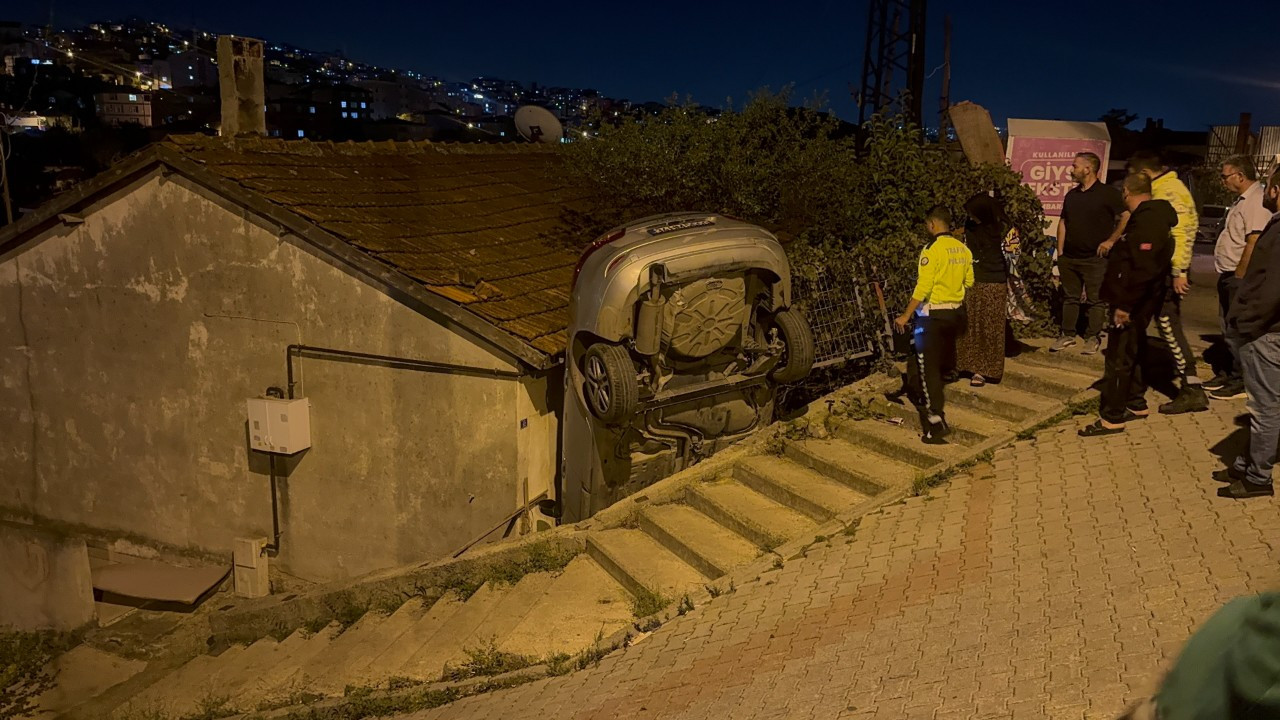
(648, 602)
(24, 673)
(924, 484)
(1084, 407)
(540, 556)
(487, 660)
(564, 663)
(297, 697)
(365, 703)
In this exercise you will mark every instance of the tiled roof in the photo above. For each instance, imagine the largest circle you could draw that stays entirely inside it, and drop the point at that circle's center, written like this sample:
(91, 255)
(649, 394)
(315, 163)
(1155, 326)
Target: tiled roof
(480, 225)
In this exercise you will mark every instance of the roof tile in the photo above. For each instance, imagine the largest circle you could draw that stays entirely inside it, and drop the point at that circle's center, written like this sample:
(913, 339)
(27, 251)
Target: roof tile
(480, 225)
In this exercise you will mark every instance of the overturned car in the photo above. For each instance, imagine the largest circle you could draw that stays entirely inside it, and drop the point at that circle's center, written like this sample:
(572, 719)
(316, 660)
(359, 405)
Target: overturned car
(681, 329)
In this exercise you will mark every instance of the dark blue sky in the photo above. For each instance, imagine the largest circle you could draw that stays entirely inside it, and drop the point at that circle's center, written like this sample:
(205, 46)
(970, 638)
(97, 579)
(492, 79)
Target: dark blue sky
(1192, 63)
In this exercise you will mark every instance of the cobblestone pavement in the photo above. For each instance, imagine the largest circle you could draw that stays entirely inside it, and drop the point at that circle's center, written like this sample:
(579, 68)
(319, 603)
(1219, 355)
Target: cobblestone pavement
(1057, 581)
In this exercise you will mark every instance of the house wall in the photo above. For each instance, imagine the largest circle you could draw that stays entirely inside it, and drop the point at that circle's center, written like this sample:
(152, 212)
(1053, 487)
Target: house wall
(129, 342)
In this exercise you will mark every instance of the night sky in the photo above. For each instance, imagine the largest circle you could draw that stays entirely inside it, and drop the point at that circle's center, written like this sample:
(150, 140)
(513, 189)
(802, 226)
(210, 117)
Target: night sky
(1191, 63)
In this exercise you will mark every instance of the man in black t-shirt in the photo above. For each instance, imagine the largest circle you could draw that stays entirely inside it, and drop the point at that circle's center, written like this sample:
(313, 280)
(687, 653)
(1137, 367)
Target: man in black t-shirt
(1093, 219)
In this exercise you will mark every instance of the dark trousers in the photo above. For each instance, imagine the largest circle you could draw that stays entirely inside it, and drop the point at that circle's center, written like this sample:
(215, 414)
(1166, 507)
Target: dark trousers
(1123, 386)
(1228, 286)
(935, 341)
(1169, 326)
(1082, 290)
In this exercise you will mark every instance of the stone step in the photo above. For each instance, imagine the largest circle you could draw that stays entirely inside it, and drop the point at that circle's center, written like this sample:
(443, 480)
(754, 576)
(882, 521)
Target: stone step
(582, 603)
(80, 674)
(640, 564)
(315, 673)
(697, 539)
(1059, 383)
(197, 682)
(796, 486)
(508, 613)
(349, 662)
(428, 663)
(390, 661)
(249, 665)
(764, 522)
(285, 678)
(967, 427)
(251, 681)
(863, 470)
(1000, 401)
(897, 442)
(1070, 358)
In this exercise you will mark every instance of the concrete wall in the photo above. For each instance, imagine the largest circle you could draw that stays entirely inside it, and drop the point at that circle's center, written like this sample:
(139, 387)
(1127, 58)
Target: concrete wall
(44, 580)
(129, 342)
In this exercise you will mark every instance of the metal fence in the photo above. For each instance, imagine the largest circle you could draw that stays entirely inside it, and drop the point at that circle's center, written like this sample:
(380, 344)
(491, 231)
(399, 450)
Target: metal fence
(843, 313)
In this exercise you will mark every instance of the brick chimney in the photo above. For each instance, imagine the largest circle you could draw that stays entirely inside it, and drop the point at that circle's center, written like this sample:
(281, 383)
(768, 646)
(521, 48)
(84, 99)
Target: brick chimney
(242, 86)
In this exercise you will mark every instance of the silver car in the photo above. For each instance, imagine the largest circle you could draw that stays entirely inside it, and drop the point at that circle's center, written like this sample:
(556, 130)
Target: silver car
(681, 327)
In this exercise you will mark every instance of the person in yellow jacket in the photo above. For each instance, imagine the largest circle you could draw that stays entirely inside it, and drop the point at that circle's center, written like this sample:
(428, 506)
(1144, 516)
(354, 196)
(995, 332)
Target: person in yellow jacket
(1165, 185)
(944, 274)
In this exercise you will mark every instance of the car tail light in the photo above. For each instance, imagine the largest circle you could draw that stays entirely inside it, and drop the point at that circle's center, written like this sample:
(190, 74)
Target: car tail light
(594, 246)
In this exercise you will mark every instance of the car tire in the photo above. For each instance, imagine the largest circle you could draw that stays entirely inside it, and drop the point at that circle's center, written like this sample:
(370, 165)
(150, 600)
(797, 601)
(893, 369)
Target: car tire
(797, 358)
(609, 383)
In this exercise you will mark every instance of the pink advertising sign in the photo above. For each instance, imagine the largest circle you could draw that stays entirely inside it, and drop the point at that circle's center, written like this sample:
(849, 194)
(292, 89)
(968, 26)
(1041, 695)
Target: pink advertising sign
(1045, 164)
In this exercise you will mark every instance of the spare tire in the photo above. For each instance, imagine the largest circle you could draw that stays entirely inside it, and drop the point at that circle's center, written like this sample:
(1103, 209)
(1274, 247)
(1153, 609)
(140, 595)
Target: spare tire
(797, 355)
(609, 383)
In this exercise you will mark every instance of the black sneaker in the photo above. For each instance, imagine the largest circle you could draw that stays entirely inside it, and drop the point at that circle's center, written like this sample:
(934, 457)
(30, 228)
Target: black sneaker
(1190, 399)
(1217, 382)
(1243, 490)
(1233, 390)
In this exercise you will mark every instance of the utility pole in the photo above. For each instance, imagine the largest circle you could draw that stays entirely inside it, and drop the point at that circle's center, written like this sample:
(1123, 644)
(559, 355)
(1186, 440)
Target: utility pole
(891, 49)
(944, 112)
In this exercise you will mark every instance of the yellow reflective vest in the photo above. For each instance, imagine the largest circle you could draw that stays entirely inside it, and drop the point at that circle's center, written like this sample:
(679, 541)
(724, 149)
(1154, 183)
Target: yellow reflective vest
(945, 271)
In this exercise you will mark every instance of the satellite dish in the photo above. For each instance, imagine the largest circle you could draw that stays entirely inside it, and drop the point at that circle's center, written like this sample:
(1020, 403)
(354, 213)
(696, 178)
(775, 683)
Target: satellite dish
(538, 124)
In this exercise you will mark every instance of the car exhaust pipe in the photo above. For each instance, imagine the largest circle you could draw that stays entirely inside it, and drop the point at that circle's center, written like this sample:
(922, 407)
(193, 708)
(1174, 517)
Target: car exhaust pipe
(649, 316)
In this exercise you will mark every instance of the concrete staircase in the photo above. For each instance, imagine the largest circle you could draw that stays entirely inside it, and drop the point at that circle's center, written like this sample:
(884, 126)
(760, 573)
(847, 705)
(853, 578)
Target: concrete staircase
(662, 553)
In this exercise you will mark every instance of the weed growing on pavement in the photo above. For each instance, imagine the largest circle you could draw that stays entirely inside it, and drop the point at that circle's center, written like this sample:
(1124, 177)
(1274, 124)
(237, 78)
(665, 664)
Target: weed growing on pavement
(685, 606)
(648, 602)
(1084, 407)
(778, 563)
(714, 591)
(486, 660)
(648, 626)
(564, 663)
(852, 528)
(924, 484)
(365, 703)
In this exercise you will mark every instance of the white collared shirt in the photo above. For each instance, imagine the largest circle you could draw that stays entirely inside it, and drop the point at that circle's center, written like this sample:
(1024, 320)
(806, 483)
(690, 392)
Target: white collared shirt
(1246, 216)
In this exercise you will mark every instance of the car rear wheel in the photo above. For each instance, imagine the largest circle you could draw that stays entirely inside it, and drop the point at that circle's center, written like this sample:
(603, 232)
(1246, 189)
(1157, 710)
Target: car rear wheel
(798, 351)
(610, 385)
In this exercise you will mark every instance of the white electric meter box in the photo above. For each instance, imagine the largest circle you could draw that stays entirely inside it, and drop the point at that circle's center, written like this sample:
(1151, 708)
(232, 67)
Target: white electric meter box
(279, 426)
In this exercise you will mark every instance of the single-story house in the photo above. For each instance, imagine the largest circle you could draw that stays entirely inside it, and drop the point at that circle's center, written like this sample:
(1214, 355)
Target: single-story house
(415, 293)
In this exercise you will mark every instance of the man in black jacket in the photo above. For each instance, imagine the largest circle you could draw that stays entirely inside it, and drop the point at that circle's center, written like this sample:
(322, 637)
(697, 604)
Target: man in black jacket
(1134, 286)
(1255, 316)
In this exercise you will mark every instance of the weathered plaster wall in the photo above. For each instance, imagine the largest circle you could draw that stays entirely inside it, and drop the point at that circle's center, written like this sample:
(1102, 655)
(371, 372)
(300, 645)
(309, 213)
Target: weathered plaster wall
(129, 342)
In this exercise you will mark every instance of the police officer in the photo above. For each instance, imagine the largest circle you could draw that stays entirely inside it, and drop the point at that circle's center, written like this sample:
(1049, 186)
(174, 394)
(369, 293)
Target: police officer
(945, 272)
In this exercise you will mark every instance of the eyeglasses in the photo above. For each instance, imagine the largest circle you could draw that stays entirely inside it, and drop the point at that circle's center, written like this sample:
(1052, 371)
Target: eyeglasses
(1228, 175)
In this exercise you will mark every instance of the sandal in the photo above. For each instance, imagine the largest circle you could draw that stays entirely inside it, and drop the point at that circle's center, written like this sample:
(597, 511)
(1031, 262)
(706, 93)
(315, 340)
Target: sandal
(1097, 429)
(977, 381)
